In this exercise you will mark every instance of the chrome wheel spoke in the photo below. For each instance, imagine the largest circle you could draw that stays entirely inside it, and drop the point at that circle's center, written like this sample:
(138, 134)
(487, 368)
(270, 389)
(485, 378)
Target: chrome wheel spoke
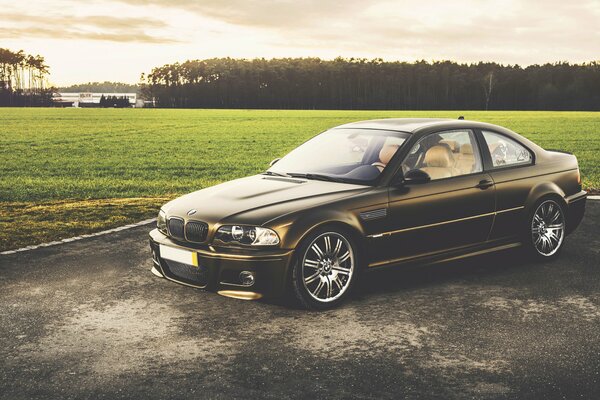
(340, 270)
(318, 251)
(327, 245)
(312, 278)
(338, 282)
(318, 288)
(549, 209)
(311, 263)
(338, 246)
(344, 257)
(546, 243)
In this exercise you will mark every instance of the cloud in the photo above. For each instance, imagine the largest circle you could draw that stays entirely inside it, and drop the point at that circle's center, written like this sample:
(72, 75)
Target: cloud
(509, 31)
(279, 14)
(91, 27)
(514, 31)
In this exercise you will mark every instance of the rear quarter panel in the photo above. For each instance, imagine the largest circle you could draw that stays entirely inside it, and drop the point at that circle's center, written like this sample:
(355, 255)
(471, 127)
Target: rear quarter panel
(519, 188)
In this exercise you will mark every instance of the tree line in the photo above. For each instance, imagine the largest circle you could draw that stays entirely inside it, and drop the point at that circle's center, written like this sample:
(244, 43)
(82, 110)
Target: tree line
(101, 87)
(312, 83)
(23, 79)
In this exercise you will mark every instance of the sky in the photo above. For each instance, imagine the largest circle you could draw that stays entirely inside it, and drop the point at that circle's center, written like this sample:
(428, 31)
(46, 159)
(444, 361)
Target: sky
(97, 40)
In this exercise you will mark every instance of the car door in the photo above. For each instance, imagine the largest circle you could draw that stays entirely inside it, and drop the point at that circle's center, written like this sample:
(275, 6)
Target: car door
(454, 209)
(508, 162)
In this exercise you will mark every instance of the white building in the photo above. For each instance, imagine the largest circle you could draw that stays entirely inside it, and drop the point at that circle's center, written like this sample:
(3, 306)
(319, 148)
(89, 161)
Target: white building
(91, 99)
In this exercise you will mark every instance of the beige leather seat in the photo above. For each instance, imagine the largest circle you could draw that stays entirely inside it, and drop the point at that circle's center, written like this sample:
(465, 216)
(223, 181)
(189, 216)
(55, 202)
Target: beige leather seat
(465, 160)
(385, 155)
(453, 144)
(439, 162)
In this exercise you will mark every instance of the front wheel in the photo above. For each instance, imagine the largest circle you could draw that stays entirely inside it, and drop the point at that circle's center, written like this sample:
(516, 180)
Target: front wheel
(325, 269)
(546, 230)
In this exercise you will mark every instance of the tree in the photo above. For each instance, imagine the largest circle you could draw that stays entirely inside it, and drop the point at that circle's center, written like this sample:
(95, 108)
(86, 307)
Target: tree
(101, 87)
(23, 79)
(309, 83)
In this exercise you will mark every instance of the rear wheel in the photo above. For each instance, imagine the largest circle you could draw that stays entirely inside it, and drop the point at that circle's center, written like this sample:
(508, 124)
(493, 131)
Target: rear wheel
(325, 269)
(546, 230)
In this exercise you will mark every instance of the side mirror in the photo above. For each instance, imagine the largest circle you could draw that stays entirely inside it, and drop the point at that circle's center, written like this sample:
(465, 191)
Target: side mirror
(416, 176)
(274, 162)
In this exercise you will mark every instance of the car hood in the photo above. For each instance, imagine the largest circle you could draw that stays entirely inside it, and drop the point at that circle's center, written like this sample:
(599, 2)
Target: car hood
(257, 199)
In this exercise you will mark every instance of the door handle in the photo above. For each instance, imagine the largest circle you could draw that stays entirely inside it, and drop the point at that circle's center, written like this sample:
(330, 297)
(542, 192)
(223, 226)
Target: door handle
(484, 184)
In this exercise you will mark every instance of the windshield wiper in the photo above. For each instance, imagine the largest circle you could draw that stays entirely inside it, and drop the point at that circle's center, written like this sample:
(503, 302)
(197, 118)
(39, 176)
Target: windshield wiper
(319, 177)
(271, 173)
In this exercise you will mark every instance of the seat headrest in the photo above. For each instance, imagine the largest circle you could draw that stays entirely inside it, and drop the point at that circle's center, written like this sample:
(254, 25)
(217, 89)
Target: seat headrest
(466, 148)
(453, 144)
(387, 152)
(439, 156)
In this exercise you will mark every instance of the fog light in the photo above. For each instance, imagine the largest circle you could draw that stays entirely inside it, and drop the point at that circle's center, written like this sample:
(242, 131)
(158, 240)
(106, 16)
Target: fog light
(247, 278)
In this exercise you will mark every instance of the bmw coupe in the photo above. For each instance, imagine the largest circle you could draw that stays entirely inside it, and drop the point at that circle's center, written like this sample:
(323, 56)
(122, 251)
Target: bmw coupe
(369, 195)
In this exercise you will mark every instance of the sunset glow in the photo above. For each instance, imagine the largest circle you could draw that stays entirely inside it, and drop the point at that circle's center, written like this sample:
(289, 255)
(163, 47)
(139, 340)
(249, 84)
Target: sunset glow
(118, 40)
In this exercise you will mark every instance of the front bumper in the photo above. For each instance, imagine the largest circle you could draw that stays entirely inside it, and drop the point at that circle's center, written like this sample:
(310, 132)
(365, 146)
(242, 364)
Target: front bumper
(270, 269)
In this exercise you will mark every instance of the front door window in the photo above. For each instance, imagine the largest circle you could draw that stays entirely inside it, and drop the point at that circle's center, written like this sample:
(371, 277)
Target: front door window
(445, 155)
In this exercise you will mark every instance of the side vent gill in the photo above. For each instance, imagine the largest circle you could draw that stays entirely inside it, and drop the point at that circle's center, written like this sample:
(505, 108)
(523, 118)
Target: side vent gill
(373, 214)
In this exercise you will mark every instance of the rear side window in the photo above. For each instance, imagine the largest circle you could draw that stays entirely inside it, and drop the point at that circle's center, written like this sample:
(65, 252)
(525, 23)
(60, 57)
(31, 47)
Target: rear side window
(505, 151)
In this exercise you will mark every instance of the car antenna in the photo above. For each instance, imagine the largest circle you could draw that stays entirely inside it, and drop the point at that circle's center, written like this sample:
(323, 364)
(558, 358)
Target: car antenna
(461, 117)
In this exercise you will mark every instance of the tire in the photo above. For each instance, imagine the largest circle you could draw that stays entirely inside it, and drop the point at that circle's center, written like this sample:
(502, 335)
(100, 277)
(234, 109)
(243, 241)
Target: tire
(546, 230)
(325, 269)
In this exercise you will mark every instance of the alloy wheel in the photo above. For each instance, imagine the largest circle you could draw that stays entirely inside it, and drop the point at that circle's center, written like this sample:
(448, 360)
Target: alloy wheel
(548, 228)
(327, 267)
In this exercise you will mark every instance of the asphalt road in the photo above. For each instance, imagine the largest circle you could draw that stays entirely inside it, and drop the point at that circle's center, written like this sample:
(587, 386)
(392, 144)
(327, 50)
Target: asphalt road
(88, 320)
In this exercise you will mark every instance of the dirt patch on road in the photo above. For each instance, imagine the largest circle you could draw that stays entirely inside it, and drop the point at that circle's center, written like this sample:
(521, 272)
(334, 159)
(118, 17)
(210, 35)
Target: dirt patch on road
(127, 336)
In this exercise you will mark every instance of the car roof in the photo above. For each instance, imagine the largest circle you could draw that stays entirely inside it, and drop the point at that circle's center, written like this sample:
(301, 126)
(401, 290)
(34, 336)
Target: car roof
(396, 124)
(423, 126)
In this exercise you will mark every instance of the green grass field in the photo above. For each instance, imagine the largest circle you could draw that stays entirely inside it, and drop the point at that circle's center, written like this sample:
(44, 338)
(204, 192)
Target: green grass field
(74, 171)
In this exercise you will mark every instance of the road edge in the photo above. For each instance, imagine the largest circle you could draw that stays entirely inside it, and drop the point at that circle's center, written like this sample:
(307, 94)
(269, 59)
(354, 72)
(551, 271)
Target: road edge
(81, 237)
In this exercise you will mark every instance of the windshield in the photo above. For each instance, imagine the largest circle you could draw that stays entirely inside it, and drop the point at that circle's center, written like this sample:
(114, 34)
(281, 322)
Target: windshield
(345, 155)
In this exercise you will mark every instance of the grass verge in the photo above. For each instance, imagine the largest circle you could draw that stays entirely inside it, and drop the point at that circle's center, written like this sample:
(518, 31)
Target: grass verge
(26, 223)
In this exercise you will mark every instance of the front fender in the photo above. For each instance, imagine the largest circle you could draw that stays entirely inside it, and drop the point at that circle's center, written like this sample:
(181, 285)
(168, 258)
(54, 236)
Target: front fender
(295, 229)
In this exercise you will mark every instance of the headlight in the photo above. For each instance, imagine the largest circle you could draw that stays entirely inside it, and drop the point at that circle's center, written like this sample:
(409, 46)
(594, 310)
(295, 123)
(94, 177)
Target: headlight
(161, 222)
(252, 235)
